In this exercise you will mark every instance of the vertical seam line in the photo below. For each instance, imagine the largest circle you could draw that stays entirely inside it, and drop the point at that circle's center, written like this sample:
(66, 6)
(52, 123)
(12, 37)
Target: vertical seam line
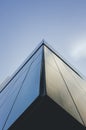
(42, 90)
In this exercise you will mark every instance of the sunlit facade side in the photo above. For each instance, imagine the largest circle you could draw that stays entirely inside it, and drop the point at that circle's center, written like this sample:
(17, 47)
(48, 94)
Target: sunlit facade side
(65, 87)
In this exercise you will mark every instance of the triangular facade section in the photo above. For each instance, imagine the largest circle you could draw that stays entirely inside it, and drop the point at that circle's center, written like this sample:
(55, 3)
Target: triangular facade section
(43, 74)
(21, 91)
(65, 86)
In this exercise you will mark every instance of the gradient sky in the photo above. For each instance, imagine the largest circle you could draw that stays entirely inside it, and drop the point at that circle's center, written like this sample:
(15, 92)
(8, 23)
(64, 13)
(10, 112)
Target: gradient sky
(24, 23)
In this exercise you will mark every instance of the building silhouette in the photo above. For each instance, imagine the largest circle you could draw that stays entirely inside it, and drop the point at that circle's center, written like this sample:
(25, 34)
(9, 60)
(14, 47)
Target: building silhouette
(44, 93)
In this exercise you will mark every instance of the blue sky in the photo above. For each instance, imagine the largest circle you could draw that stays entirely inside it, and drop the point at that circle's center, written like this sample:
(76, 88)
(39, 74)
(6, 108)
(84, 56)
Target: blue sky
(24, 23)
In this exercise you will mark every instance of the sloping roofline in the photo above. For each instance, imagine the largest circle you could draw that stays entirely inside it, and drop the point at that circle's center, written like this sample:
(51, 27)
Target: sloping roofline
(42, 43)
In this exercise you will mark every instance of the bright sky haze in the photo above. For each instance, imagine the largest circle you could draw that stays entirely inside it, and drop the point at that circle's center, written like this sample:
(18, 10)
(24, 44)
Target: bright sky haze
(24, 23)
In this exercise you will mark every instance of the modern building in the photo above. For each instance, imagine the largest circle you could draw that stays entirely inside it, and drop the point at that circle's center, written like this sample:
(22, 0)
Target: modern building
(44, 93)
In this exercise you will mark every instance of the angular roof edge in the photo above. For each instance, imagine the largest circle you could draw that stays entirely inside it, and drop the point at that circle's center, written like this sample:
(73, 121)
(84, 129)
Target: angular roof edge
(64, 60)
(43, 42)
(23, 64)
